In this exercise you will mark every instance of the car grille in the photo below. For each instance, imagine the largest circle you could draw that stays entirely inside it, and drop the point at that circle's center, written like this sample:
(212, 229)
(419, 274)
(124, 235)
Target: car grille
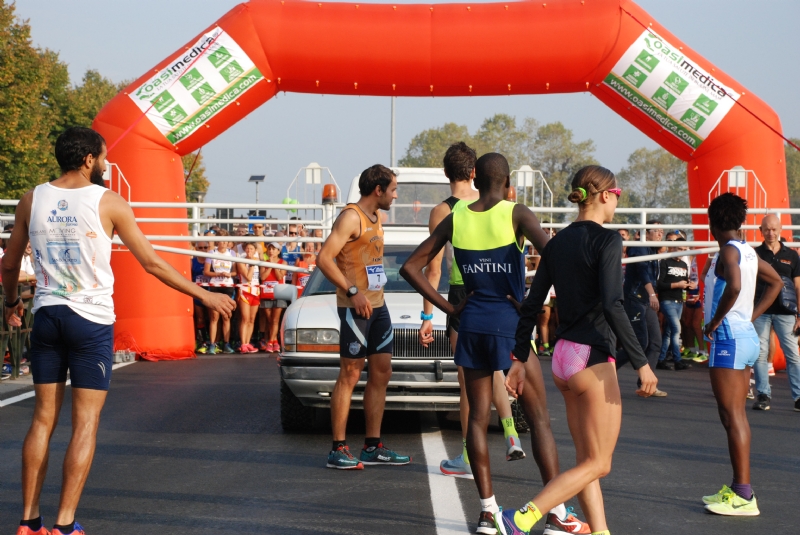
(407, 346)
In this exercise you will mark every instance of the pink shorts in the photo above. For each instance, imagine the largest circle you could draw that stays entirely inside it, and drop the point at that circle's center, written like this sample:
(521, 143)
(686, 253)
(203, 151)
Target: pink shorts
(570, 358)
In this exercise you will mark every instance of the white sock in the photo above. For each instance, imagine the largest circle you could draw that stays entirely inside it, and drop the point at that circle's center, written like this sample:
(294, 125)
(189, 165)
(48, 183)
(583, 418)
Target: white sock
(490, 504)
(560, 511)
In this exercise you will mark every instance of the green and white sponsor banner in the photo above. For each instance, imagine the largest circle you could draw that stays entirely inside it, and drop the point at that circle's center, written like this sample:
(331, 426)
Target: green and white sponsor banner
(196, 85)
(671, 89)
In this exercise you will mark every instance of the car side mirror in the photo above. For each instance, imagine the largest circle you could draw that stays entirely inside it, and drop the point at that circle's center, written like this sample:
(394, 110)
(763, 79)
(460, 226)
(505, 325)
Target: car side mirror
(285, 292)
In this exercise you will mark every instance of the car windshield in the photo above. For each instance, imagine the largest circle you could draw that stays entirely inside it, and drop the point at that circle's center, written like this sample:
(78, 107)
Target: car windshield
(393, 258)
(414, 203)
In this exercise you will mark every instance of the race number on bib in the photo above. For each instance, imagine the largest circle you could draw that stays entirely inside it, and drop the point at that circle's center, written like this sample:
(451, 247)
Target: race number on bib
(376, 277)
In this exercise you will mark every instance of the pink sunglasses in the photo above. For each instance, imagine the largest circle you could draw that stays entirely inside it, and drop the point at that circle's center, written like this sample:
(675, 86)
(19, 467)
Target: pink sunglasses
(616, 191)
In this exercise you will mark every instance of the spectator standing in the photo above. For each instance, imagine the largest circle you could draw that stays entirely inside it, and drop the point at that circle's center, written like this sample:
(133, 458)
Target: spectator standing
(625, 237)
(272, 277)
(673, 281)
(248, 297)
(258, 230)
(220, 273)
(641, 301)
(200, 324)
(308, 262)
(291, 252)
(782, 314)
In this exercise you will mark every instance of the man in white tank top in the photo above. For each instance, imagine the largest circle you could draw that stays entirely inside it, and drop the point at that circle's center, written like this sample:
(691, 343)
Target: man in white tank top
(70, 222)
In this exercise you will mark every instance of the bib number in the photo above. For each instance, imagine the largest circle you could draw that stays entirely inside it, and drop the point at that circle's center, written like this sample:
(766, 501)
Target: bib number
(376, 277)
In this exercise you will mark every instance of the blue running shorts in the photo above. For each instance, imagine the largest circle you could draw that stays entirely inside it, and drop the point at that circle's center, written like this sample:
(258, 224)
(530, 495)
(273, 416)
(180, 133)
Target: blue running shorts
(62, 340)
(735, 353)
(483, 351)
(360, 337)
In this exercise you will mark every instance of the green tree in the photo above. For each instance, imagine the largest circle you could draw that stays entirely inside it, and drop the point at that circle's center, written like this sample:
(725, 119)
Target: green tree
(29, 81)
(196, 180)
(499, 133)
(81, 104)
(427, 148)
(652, 179)
(553, 150)
(793, 177)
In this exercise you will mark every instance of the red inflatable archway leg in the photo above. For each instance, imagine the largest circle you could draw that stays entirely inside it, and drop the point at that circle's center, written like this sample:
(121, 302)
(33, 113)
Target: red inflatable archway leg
(611, 48)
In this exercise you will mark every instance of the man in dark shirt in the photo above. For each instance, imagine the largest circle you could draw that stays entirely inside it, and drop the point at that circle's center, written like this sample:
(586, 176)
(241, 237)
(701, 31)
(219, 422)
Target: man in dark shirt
(673, 280)
(784, 320)
(641, 301)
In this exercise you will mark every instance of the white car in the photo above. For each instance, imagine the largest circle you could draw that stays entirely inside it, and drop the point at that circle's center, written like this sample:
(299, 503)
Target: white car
(422, 379)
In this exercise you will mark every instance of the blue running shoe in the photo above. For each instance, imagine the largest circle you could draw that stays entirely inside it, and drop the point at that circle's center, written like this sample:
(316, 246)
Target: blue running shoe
(342, 459)
(456, 467)
(77, 531)
(381, 455)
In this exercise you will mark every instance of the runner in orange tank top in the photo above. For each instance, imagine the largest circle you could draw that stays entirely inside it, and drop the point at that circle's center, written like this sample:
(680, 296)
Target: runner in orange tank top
(366, 332)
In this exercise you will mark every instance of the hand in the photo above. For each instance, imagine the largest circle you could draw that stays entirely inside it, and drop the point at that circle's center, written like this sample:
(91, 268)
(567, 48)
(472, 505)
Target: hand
(654, 302)
(709, 329)
(219, 303)
(692, 285)
(456, 310)
(683, 284)
(14, 314)
(516, 303)
(796, 324)
(362, 305)
(649, 381)
(426, 333)
(515, 379)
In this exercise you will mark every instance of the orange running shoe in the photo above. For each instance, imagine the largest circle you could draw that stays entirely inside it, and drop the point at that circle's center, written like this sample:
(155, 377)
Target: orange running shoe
(571, 524)
(77, 531)
(25, 530)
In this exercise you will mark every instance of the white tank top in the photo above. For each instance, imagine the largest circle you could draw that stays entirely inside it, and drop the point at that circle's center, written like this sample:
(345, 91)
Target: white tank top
(72, 252)
(254, 278)
(738, 319)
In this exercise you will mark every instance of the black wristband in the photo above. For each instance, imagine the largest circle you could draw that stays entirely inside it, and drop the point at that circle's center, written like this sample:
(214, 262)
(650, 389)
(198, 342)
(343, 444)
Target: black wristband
(12, 305)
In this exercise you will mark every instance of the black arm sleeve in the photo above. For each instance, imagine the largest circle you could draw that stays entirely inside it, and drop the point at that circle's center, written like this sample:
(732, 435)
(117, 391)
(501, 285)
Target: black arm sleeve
(662, 284)
(531, 307)
(611, 293)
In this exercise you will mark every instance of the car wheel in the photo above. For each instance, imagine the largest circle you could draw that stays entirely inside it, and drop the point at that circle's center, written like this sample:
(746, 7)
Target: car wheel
(294, 415)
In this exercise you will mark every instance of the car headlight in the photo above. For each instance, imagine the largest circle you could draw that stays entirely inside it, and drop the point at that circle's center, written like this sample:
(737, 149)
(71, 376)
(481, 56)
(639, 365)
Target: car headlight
(312, 340)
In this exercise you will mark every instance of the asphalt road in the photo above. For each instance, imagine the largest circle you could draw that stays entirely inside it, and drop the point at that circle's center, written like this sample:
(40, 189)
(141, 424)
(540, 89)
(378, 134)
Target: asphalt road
(197, 447)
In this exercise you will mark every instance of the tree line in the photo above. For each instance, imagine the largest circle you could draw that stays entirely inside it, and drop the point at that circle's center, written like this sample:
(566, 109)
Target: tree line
(38, 102)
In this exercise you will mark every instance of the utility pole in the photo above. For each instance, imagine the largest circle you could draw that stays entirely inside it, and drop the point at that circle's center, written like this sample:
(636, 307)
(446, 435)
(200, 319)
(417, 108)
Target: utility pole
(392, 157)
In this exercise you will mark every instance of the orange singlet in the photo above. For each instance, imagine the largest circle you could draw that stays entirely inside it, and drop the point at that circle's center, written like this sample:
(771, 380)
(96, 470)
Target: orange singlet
(361, 261)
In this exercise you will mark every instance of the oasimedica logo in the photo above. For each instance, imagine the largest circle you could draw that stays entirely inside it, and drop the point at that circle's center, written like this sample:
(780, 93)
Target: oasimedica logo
(665, 50)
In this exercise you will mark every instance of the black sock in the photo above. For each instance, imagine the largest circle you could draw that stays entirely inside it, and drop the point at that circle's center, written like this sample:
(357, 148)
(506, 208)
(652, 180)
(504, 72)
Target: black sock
(35, 524)
(371, 443)
(66, 528)
(337, 443)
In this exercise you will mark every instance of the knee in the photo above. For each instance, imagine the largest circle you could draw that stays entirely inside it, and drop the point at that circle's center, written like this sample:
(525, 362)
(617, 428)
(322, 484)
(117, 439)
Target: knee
(349, 377)
(599, 467)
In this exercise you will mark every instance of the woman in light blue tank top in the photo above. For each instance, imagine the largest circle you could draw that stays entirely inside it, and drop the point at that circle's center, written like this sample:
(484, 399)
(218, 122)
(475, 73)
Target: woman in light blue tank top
(730, 289)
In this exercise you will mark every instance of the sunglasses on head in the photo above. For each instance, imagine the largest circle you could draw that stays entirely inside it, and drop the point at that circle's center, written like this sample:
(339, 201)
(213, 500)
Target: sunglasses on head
(615, 191)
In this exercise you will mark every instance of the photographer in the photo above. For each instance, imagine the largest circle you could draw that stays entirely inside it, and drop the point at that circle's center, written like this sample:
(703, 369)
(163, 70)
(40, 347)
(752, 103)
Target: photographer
(782, 315)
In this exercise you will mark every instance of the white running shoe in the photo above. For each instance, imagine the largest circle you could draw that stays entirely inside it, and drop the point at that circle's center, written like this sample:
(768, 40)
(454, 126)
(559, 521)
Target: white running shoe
(514, 451)
(456, 467)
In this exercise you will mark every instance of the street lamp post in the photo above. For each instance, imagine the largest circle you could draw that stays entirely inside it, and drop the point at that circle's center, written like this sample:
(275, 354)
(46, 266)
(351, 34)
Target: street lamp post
(257, 179)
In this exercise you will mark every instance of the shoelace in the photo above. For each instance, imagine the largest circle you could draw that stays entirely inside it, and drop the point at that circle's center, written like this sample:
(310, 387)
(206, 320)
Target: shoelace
(346, 451)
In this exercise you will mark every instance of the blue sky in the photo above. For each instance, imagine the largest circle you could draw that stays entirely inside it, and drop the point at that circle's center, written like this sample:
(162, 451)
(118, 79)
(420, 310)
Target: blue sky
(755, 42)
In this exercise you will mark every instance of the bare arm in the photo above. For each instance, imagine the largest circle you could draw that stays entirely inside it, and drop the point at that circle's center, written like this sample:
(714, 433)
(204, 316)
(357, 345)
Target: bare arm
(433, 271)
(422, 256)
(12, 259)
(729, 262)
(121, 216)
(527, 224)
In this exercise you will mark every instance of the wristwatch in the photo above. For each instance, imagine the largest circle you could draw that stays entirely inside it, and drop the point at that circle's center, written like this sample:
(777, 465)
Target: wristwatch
(351, 291)
(12, 305)
(425, 317)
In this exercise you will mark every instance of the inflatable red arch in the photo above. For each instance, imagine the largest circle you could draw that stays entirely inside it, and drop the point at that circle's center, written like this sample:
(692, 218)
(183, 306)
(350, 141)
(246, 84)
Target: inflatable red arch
(611, 48)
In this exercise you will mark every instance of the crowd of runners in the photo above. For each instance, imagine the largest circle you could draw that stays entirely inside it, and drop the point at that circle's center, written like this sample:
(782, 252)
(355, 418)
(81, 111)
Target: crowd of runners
(606, 319)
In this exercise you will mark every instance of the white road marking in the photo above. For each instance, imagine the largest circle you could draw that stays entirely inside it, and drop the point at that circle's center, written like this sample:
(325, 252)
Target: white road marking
(447, 510)
(32, 393)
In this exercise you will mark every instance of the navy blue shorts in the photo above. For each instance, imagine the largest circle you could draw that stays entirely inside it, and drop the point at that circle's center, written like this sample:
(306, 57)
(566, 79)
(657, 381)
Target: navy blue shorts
(360, 337)
(483, 351)
(62, 340)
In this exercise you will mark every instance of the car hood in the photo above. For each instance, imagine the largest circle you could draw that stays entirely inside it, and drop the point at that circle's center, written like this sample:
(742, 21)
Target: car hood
(319, 312)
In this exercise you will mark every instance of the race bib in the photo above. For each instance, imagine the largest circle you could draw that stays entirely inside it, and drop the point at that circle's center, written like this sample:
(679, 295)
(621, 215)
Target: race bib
(376, 277)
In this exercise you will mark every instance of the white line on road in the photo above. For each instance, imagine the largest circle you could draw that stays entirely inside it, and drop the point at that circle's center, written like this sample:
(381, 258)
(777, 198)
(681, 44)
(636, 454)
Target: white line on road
(32, 393)
(447, 510)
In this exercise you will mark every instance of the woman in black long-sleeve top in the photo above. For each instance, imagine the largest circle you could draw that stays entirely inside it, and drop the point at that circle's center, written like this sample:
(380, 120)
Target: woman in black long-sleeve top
(583, 263)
